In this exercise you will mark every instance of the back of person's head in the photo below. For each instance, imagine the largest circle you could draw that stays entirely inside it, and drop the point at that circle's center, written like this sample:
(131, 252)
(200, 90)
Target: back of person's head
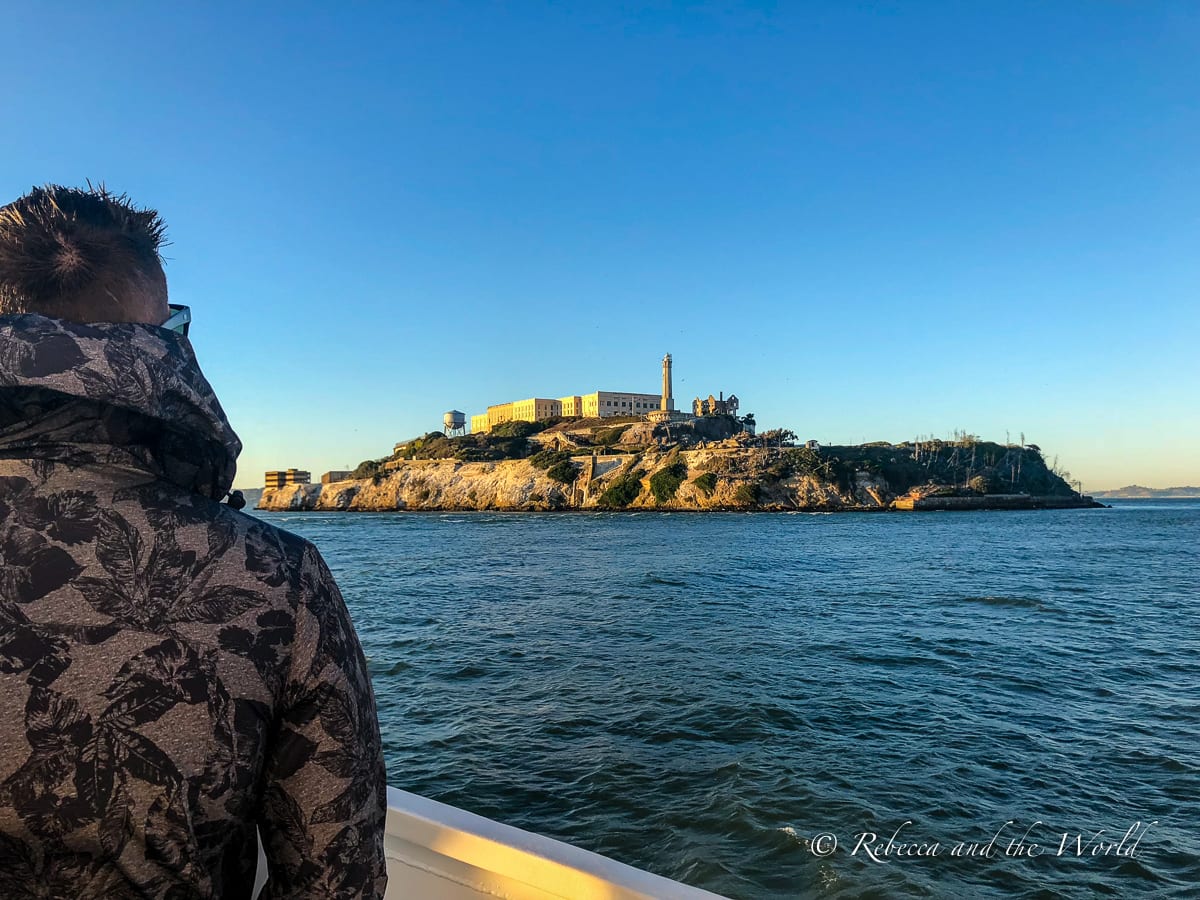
(82, 255)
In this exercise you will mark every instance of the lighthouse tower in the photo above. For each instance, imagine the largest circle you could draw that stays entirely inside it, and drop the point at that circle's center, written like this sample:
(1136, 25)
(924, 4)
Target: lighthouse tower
(668, 398)
(666, 407)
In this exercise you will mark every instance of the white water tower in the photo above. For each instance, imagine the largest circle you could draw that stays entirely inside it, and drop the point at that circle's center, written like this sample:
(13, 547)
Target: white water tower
(454, 423)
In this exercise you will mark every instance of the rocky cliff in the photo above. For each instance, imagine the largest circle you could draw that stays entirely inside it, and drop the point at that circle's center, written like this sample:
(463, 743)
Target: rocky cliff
(698, 479)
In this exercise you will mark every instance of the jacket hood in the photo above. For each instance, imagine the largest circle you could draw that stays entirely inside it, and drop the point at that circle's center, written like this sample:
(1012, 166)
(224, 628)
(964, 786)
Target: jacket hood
(112, 394)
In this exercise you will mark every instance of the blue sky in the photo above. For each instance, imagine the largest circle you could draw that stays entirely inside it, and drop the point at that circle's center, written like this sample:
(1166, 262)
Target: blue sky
(870, 221)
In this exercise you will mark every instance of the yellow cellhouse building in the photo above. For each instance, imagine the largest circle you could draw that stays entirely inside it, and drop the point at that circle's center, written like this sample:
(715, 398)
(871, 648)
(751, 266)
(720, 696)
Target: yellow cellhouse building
(596, 405)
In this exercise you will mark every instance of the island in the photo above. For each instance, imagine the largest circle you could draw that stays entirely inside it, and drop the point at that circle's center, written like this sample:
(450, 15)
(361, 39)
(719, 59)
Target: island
(713, 461)
(621, 450)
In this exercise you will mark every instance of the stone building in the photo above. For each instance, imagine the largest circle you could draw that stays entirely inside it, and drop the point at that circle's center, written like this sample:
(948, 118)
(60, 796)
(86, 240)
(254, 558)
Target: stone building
(281, 477)
(715, 406)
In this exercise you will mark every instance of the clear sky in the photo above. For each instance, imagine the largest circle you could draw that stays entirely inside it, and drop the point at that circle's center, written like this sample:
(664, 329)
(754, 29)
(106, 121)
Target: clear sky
(870, 221)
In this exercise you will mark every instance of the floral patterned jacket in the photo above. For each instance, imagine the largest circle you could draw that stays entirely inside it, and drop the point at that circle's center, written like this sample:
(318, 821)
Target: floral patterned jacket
(173, 674)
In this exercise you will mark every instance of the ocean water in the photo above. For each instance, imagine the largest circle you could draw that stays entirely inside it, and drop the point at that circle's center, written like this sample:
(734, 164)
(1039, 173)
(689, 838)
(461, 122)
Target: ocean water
(740, 701)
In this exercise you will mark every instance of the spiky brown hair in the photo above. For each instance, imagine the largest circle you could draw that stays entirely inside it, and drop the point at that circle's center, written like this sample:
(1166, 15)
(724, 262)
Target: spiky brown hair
(59, 246)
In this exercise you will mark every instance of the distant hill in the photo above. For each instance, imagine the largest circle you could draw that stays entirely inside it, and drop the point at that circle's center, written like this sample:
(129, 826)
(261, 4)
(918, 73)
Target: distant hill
(1137, 492)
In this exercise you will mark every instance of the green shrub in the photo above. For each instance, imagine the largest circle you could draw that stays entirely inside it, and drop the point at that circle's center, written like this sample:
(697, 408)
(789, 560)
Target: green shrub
(802, 461)
(436, 445)
(623, 491)
(778, 470)
(516, 429)
(748, 493)
(471, 454)
(368, 468)
(903, 472)
(514, 448)
(606, 437)
(482, 448)
(706, 483)
(666, 481)
(563, 472)
(544, 459)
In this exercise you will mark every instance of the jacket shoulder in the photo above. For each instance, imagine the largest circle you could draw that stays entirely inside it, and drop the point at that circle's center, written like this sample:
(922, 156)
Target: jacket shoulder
(273, 556)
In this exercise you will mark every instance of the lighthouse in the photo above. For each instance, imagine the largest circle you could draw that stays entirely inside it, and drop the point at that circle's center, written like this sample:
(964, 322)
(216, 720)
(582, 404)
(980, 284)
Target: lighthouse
(668, 399)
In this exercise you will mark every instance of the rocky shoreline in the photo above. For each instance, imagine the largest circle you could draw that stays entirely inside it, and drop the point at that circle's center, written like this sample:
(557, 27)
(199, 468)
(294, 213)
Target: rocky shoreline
(711, 479)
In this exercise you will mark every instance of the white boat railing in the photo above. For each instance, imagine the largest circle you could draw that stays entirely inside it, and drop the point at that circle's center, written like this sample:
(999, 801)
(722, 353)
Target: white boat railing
(485, 858)
(439, 852)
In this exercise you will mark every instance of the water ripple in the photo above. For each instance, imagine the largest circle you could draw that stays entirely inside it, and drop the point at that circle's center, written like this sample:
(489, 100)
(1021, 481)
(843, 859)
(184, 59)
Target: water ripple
(703, 695)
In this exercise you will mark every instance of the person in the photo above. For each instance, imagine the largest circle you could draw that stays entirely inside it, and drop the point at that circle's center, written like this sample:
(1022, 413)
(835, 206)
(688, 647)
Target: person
(174, 674)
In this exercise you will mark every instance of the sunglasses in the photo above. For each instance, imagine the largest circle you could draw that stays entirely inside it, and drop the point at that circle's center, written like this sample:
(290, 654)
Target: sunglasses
(179, 320)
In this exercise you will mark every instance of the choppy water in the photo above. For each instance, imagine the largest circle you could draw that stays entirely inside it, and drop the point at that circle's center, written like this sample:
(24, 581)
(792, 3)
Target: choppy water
(702, 695)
